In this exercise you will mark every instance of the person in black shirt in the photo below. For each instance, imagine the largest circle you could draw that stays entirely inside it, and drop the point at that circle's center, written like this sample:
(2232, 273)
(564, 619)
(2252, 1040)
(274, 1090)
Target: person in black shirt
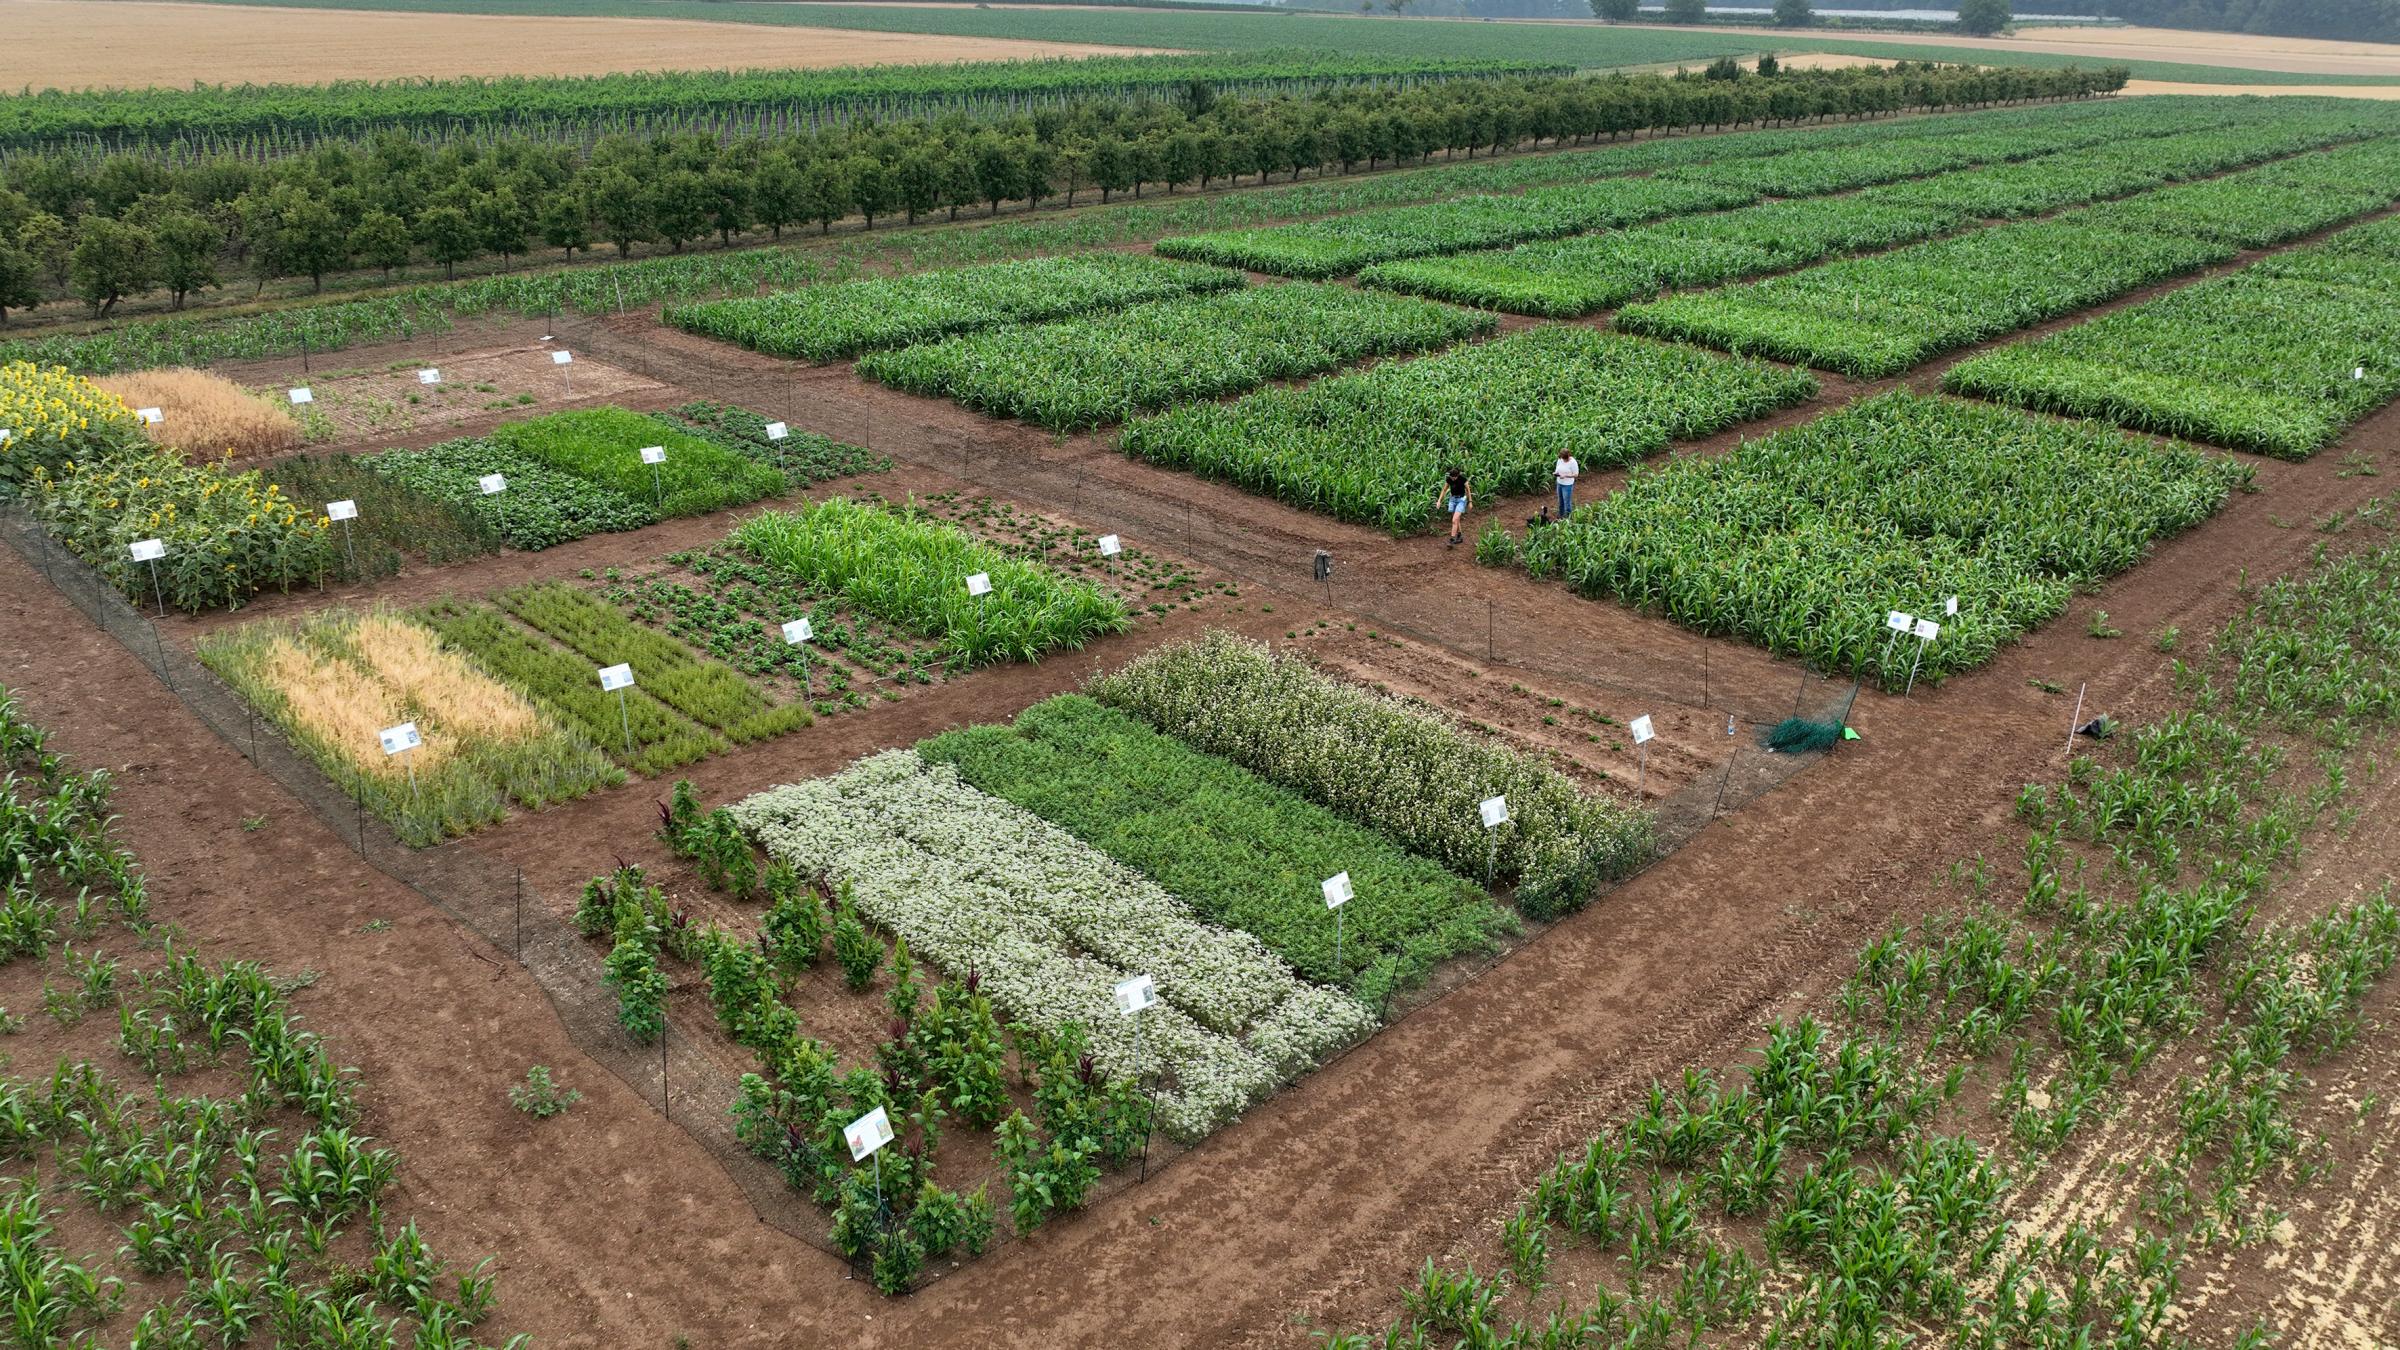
(1460, 496)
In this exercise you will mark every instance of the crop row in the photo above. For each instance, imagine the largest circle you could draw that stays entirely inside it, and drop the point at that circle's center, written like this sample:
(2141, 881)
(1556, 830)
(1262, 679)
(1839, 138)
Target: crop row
(334, 681)
(1402, 769)
(708, 692)
(1874, 317)
(432, 307)
(1085, 372)
(1573, 277)
(1372, 447)
(1804, 540)
(2279, 358)
(1343, 244)
(822, 323)
(1049, 925)
(911, 570)
(1237, 849)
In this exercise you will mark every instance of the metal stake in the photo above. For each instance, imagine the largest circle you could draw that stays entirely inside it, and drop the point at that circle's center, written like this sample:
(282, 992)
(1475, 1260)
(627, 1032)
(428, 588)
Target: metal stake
(160, 587)
(2077, 719)
(626, 718)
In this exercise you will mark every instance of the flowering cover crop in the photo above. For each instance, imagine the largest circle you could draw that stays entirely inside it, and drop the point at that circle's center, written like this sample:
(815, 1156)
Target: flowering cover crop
(1050, 924)
(1400, 768)
(1337, 247)
(910, 569)
(845, 318)
(1371, 447)
(1084, 372)
(2279, 358)
(1803, 540)
(604, 445)
(334, 681)
(1238, 849)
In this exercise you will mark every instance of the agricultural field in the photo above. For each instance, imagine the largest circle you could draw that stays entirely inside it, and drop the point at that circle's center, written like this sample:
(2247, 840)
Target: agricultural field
(1090, 372)
(1804, 540)
(2252, 361)
(1089, 822)
(1875, 317)
(1372, 447)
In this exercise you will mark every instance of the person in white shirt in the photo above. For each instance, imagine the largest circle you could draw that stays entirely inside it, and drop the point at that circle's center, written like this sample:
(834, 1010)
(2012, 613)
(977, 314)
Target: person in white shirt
(1565, 471)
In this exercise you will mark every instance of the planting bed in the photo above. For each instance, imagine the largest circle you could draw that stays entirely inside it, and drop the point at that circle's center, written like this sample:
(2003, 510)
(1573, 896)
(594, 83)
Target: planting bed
(389, 400)
(2255, 360)
(1804, 540)
(1372, 447)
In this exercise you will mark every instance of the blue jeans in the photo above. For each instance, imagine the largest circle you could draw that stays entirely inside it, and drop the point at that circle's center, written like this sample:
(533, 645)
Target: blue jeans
(1566, 499)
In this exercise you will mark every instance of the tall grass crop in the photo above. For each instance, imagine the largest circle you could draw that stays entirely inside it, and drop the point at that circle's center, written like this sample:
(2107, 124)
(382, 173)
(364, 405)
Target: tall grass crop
(207, 415)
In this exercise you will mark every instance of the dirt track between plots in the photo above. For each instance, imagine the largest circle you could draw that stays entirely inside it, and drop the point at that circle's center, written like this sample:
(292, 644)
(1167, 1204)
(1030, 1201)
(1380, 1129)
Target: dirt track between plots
(132, 44)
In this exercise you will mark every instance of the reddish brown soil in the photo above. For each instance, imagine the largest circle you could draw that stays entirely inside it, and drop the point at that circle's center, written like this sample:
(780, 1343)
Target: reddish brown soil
(615, 1229)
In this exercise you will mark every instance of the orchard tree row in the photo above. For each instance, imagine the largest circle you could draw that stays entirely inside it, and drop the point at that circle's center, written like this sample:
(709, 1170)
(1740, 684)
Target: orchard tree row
(128, 225)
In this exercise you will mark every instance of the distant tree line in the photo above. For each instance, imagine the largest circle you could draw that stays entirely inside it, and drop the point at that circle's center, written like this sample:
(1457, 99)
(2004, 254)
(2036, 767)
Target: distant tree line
(2354, 20)
(128, 225)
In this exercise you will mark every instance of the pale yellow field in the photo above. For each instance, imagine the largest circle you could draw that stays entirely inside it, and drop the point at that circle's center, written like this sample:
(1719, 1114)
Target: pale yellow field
(2302, 55)
(78, 44)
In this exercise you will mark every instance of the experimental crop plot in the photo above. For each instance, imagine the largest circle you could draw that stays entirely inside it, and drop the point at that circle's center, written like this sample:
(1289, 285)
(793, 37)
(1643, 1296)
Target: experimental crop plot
(1803, 541)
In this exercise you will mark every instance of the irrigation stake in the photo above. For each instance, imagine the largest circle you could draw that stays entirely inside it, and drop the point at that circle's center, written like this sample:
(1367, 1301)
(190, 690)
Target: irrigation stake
(345, 511)
(2076, 720)
(1643, 734)
(619, 678)
(654, 455)
(1494, 812)
(1132, 995)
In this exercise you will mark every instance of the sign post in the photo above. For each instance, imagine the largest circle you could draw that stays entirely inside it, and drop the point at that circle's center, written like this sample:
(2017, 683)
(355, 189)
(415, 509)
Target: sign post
(1337, 891)
(1133, 995)
(301, 394)
(150, 551)
(400, 740)
(345, 511)
(654, 455)
(492, 485)
(565, 361)
(150, 416)
(1926, 630)
(1111, 546)
(866, 1136)
(1494, 811)
(796, 634)
(619, 678)
(1897, 622)
(429, 376)
(1643, 734)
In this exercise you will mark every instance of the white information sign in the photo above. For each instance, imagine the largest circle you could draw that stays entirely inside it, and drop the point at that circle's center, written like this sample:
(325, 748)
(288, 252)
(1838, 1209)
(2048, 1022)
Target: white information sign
(493, 484)
(1110, 546)
(654, 454)
(1643, 732)
(1134, 994)
(619, 676)
(429, 375)
(1899, 622)
(562, 358)
(150, 415)
(302, 394)
(1495, 812)
(1950, 608)
(867, 1134)
(1337, 890)
(6, 435)
(797, 632)
(776, 431)
(401, 737)
(1928, 630)
(980, 584)
(345, 509)
(148, 550)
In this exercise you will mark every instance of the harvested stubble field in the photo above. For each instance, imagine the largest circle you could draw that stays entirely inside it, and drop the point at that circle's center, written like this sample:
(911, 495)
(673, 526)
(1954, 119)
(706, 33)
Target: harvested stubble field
(132, 44)
(1760, 915)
